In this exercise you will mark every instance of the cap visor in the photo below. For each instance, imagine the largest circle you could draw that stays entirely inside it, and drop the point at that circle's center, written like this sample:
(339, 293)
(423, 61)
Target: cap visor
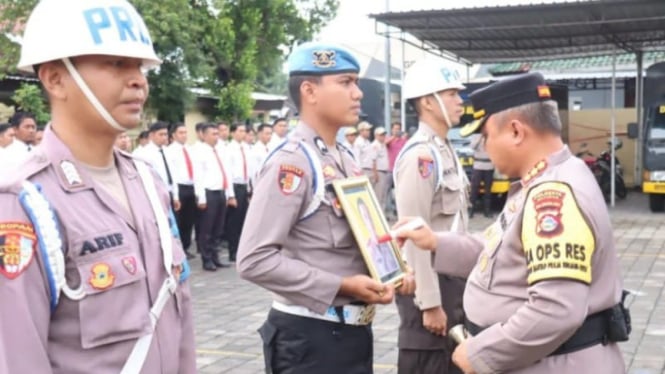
(472, 127)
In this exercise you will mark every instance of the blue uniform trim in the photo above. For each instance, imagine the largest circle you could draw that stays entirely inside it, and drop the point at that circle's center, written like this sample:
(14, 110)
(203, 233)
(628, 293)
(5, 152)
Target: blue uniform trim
(174, 225)
(186, 271)
(23, 199)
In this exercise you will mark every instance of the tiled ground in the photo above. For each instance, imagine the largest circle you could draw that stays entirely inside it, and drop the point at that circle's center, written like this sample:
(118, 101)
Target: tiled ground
(228, 310)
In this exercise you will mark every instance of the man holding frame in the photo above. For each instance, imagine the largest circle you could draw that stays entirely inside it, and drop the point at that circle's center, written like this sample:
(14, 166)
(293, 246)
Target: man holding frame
(296, 241)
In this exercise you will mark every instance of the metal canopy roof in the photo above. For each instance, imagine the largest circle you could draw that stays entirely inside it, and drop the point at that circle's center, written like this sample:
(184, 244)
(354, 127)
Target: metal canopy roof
(537, 31)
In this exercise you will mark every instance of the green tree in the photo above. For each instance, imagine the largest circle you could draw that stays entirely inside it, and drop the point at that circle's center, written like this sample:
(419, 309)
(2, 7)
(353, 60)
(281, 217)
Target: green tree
(29, 97)
(228, 47)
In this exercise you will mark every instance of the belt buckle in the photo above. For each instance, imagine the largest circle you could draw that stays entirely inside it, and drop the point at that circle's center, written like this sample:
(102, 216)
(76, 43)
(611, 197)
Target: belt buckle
(367, 314)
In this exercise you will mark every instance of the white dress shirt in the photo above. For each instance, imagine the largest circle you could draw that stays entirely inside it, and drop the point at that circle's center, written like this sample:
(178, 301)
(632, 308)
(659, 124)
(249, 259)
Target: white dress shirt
(153, 155)
(241, 162)
(275, 140)
(178, 155)
(13, 155)
(209, 175)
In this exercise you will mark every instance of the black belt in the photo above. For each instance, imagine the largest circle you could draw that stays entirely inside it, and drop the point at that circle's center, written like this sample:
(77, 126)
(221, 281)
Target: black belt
(593, 331)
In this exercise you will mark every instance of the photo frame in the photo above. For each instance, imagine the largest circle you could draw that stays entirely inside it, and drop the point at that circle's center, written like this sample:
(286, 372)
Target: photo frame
(368, 224)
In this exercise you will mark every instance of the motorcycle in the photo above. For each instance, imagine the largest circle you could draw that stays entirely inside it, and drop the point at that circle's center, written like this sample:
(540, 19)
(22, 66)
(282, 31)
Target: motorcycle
(601, 167)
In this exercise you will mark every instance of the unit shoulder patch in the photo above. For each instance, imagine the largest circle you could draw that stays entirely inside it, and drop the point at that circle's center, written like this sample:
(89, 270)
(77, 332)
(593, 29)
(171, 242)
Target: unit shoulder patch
(558, 241)
(17, 247)
(425, 166)
(289, 178)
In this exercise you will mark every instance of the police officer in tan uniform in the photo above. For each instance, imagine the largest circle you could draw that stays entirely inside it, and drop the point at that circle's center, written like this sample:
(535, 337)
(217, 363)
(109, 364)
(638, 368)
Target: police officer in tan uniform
(544, 292)
(91, 269)
(297, 242)
(430, 183)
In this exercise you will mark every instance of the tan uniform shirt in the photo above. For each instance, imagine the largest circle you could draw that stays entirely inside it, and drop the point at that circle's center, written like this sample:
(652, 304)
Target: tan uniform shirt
(114, 256)
(545, 265)
(417, 194)
(302, 261)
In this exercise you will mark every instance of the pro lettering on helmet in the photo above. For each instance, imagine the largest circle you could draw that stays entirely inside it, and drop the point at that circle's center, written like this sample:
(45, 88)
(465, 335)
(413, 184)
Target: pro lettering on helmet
(115, 22)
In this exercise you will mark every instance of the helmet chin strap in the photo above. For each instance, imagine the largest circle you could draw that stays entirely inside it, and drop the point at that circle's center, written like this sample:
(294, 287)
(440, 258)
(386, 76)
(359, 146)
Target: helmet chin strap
(91, 96)
(443, 110)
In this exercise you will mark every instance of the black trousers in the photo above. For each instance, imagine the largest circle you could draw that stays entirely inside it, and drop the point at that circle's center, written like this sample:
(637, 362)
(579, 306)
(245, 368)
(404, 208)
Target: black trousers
(212, 222)
(187, 215)
(235, 219)
(485, 176)
(300, 345)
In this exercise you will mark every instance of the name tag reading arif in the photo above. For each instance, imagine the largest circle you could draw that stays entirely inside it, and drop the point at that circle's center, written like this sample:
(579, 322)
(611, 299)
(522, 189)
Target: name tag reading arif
(115, 24)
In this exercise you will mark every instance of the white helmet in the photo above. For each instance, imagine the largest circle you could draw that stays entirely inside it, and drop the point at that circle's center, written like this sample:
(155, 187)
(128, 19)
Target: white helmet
(60, 29)
(426, 77)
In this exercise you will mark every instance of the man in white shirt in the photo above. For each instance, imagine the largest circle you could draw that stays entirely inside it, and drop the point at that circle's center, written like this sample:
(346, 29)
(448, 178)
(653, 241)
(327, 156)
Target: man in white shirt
(241, 171)
(181, 159)
(25, 127)
(154, 154)
(214, 192)
(224, 131)
(261, 148)
(6, 139)
(280, 128)
(143, 140)
(122, 142)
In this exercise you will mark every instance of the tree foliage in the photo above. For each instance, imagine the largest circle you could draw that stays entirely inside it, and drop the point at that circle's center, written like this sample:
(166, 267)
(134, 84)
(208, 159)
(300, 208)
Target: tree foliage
(228, 47)
(29, 98)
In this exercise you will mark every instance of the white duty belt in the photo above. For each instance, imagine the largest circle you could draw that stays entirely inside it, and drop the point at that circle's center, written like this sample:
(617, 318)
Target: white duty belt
(358, 315)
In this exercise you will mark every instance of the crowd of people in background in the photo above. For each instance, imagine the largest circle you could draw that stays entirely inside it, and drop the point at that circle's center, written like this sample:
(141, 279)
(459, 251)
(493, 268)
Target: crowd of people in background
(210, 180)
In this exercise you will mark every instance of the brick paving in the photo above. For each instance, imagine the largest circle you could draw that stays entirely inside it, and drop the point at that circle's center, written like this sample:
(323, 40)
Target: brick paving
(228, 310)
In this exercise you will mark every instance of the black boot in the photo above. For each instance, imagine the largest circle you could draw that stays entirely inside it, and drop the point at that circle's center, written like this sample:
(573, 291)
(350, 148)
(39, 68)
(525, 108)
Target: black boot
(471, 211)
(487, 208)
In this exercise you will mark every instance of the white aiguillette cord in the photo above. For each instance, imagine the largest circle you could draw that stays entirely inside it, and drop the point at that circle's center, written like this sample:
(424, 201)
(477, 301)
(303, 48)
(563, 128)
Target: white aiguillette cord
(139, 353)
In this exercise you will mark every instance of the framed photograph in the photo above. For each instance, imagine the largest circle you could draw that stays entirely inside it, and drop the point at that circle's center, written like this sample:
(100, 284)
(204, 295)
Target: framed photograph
(368, 223)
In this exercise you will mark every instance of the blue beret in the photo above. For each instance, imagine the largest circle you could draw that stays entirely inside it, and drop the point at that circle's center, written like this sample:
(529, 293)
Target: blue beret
(316, 58)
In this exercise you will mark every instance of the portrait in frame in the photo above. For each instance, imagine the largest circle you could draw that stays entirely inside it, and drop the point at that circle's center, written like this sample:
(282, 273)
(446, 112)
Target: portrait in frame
(368, 223)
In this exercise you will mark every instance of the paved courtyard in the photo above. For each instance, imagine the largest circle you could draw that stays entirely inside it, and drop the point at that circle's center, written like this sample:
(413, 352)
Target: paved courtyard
(228, 310)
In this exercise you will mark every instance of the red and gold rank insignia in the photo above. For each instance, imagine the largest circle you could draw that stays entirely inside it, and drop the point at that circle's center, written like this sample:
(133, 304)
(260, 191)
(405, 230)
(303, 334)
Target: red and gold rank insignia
(329, 172)
(289, 178)
(548, 205)
(102, 277)
(129, 263)
(17, 247)
(425, 166)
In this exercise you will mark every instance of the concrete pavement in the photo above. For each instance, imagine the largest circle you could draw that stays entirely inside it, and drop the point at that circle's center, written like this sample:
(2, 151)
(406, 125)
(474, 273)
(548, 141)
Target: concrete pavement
(228, 311)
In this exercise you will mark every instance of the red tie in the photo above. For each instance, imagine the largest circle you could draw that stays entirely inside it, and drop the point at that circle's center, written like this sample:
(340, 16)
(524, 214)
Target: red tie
(244, 164)
(188, 162)
(221, 167)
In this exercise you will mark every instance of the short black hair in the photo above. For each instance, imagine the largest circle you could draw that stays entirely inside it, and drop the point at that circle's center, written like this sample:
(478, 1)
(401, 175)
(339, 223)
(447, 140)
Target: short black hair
(199, 126)
(278, 120)
(207, 125)
(176, 126)
(236, 126)
(144, 134)
(263, 126)
(19, 116)
(159, 125)
(294, 86)
(4, 127)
